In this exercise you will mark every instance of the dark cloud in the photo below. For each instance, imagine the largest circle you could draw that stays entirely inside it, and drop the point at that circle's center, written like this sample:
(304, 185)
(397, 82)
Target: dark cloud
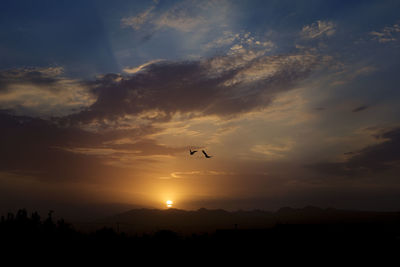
(360, 108)
(219, 86)
(35, 76)
(29, 146)
(76, 146)
(374, 158)
(42, 149)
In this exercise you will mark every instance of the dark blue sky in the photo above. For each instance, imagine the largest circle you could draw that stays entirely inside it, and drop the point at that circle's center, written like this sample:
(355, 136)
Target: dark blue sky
(86, 37)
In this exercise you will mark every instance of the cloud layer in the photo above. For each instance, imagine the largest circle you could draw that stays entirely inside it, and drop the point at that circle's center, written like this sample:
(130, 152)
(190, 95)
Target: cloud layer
(42, 92)
(382, 156)
(223, 86)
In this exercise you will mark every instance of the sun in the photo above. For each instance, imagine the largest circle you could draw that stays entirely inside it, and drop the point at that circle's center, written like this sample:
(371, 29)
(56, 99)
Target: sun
(169, 203)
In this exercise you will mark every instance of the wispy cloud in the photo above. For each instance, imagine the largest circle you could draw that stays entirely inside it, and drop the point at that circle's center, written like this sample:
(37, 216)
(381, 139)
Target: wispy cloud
(134, 70)
(318, 29)
(137, 21)
(187, 174)
(348, 73)
(240, 41)
(387, 34)
(274, 151)
(183, 16)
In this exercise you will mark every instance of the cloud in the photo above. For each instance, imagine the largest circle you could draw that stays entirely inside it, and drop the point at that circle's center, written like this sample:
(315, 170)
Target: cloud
(182, 17)
(387, 34)
(196, 173)
(115, 131)
(29, 146)
(318, 29)
(44, 150)
(373, 158)
(224, 86)
(141, 67)
(37, 76)
(237, 42)
(191, 22)
(147, 147)
(42, 92)
(137, 21)
(348, 73)
(195, 15)
(185, 16)
(127, 155)
(227, 39)
(274, 151)
(112, 123)
(360, 108)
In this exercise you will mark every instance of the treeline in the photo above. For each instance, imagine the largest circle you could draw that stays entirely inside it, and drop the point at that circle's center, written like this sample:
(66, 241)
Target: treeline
(29, 231)
(22, 226)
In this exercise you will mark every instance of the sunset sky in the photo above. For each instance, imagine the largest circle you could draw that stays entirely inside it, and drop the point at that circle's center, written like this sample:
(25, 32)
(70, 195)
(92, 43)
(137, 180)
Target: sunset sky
(298, 102)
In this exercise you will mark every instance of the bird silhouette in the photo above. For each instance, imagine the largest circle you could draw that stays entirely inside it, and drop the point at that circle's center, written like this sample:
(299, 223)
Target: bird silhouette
(205, 154)
(192, 152)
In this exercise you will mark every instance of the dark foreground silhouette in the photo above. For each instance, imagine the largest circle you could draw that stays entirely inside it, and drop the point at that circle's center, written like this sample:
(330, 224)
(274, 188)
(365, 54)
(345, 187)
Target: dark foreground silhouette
(28, 232)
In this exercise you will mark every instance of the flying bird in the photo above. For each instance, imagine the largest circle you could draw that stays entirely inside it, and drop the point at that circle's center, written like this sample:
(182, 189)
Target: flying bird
(192, 152)
(205, 154)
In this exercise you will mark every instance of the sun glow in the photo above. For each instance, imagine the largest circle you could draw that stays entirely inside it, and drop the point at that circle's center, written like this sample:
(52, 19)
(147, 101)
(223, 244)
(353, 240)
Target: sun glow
(169, 203)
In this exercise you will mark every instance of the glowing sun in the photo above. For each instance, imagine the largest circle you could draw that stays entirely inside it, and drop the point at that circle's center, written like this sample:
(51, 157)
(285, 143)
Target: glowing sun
(169, 203)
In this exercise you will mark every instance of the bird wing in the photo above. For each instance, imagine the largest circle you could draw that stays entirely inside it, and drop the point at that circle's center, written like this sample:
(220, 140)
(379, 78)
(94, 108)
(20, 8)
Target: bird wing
(204, 153)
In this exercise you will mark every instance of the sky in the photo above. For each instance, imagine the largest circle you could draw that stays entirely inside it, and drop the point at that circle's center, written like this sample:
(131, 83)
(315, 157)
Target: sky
(296, 101)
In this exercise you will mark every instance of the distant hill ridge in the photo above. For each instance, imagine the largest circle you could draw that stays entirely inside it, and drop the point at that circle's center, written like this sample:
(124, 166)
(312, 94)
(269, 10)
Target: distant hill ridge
(206, 220)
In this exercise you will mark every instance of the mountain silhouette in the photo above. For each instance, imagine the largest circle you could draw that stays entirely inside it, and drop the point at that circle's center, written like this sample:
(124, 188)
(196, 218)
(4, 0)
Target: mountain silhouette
(208, 220)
